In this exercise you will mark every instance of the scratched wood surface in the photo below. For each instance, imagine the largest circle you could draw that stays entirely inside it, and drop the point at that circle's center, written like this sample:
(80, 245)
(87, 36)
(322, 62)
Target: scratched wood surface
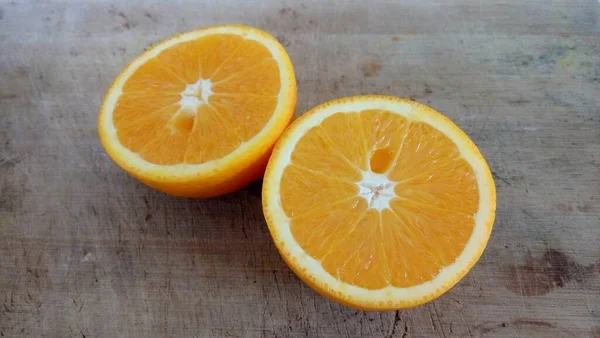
(86, 251)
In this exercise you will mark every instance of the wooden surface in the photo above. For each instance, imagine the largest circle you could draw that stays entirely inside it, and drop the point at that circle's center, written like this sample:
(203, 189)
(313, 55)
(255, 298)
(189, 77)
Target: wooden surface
(86, 251)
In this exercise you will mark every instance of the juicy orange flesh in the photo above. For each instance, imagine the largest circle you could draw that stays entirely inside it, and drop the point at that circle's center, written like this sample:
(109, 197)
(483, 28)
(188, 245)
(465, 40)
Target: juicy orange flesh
(427, 224)
(244, 84)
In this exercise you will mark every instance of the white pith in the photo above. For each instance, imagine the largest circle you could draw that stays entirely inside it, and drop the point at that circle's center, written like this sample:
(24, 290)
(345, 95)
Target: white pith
(194, 95)
(389, 295)
(376, 189)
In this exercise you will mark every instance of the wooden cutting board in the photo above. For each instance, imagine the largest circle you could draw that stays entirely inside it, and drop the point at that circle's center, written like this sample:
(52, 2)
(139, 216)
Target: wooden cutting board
(86, 251)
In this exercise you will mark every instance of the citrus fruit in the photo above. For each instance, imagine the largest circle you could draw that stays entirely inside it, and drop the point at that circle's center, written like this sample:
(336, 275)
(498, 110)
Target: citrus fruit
(378, 202)
(198, 114)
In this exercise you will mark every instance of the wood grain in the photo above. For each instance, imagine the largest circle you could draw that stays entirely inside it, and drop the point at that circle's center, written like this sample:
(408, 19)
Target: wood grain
(86, 251)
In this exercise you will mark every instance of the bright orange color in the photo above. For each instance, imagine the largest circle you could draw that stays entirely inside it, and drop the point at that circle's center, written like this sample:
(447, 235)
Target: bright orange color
(204, 107)
(436, 193)
(377, 198)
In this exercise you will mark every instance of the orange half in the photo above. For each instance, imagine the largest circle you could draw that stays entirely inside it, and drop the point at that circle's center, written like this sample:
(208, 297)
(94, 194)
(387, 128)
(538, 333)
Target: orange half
(378, 202)
(198, 114)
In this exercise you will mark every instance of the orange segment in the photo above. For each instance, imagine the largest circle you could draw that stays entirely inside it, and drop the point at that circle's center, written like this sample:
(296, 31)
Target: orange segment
(351, 146)
(246, 55)
(316, 148)
(198, 114)
(304, 190)
(383, 133)
(205, 141)
(202, 57)
(325, 225)
(152, 77)
(166, 146)
(356, 257)
(252, 110)
(249, 70)
(147, 119)
(378, 208)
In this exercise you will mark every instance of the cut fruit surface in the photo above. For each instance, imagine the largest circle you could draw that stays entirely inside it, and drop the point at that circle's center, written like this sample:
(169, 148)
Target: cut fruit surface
(378, 202)
(198, 114)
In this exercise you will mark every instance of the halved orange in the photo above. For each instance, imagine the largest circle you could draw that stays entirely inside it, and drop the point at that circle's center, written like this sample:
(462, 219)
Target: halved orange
(198, 114)
(378, 202)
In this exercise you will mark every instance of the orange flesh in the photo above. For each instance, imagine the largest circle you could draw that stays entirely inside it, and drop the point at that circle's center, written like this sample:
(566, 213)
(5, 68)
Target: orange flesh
(428, 221)
(243, 94)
